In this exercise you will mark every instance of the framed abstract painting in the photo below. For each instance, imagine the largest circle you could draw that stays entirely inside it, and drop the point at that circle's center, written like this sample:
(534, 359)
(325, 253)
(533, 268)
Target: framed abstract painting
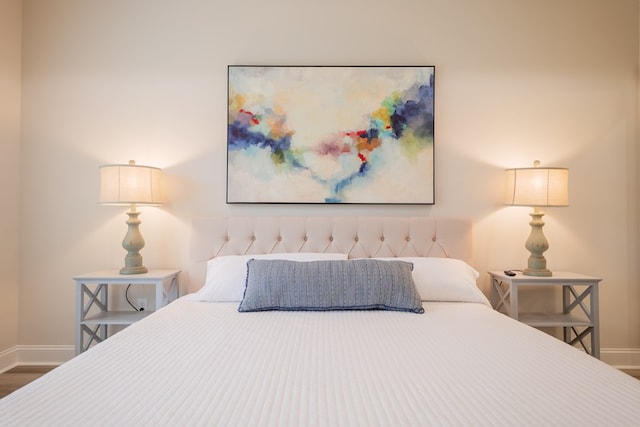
(330, 134)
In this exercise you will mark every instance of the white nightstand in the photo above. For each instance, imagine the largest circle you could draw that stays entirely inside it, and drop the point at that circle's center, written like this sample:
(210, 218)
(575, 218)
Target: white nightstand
(92, 302)
(579, 317)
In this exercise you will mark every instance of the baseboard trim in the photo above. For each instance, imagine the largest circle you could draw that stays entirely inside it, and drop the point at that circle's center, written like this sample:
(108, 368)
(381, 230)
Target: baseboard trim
(8, 359)
(53, 355)
(621, 358)
(45, 354)
(35, 355)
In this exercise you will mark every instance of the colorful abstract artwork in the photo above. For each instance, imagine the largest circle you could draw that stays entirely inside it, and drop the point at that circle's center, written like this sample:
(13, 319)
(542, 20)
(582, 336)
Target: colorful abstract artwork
(330, 135)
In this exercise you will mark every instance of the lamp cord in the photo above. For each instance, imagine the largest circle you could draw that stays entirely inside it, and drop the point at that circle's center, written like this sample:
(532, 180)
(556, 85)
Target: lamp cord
(126, 295)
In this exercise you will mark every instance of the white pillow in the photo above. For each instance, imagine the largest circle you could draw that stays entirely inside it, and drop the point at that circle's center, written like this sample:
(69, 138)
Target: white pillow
(227, 275)
(445, 279)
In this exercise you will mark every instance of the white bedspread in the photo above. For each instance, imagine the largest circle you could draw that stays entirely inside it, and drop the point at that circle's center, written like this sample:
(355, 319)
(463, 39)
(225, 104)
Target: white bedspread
(206, 364)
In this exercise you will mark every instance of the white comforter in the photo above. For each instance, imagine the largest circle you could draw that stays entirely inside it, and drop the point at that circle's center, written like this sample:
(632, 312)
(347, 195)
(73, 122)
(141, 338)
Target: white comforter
(198, 363)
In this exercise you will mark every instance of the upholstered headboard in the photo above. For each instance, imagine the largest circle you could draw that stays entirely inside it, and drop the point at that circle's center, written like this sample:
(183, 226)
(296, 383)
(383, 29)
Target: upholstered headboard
(360, 237)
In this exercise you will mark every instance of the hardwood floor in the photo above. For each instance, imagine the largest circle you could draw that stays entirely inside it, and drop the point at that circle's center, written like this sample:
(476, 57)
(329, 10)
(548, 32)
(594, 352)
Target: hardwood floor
(633, 372)
(19, 376)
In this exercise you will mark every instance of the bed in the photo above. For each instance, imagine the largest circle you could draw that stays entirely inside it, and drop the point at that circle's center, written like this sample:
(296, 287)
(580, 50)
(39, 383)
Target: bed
(201, 361)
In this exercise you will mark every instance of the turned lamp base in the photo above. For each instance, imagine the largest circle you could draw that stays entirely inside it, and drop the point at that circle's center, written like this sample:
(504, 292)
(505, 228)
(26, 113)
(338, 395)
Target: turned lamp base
(536, 244)
(132, 243)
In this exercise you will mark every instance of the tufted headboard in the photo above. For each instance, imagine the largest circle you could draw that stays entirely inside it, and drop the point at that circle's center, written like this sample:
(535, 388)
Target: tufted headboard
(360, 237)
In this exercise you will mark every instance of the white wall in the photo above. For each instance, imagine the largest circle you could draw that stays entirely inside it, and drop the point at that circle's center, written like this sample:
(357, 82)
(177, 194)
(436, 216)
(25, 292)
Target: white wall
(10, 31)
(105, 82)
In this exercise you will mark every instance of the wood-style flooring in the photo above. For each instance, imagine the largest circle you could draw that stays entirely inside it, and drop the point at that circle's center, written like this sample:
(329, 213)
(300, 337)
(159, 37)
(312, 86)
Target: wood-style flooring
(19, 376)
(633, 372)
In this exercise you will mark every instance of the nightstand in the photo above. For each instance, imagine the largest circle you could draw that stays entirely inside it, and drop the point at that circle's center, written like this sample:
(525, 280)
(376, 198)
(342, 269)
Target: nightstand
(92, 301)
(579, 318)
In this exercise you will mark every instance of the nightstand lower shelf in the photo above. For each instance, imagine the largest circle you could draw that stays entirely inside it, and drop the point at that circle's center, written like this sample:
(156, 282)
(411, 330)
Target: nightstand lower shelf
(115, 317)
(550, 320)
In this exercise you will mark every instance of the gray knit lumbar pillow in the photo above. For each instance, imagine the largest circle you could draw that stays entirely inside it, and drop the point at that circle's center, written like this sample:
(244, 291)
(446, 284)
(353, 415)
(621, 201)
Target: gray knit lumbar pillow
(359, 284)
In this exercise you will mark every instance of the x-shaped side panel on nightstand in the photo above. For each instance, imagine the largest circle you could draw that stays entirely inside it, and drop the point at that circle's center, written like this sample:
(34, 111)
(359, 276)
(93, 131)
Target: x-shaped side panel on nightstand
(94, 298)
(503, 293)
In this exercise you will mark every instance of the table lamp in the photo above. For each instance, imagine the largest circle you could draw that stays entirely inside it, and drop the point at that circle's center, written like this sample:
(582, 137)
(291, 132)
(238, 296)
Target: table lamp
(537, 187)
(132, 185)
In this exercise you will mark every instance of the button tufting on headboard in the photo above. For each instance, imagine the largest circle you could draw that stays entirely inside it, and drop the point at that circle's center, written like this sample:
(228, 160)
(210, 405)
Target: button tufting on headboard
(359, 237)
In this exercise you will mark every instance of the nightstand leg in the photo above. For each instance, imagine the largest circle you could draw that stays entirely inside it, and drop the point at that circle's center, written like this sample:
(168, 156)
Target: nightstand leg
(566, 331)
(513, 300)
(595, 318)
(79, 306)
(159, 294)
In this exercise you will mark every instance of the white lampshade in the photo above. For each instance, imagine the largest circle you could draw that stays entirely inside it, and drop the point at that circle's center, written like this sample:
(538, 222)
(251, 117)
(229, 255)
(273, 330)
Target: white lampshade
(537, 187)
(130, 184)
